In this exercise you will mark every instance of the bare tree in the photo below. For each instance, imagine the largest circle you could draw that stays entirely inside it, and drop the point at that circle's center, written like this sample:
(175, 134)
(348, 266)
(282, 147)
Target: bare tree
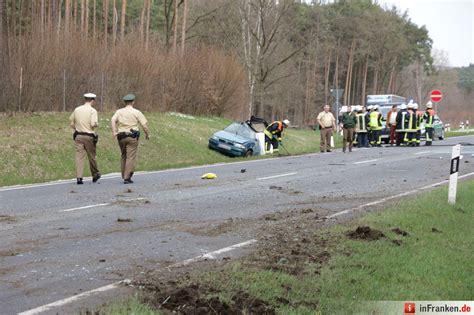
(183, 27)
(122, 19)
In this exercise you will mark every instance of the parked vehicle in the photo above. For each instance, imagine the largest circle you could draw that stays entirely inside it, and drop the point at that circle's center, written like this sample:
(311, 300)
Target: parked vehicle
(239, 139)
(385, 102)
(438, 129)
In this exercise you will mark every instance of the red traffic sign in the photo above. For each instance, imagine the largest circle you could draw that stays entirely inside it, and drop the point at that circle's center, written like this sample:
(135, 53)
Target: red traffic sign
(436, 95)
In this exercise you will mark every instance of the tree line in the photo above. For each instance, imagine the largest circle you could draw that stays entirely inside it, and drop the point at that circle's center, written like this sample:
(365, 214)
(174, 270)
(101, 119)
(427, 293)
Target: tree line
(232, 58)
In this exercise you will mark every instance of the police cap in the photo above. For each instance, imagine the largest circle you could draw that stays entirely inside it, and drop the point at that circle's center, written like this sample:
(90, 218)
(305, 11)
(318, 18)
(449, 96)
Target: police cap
(129, 98)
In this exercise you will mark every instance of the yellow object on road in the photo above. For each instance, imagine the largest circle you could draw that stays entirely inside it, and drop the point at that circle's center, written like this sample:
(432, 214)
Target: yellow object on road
(209, 176)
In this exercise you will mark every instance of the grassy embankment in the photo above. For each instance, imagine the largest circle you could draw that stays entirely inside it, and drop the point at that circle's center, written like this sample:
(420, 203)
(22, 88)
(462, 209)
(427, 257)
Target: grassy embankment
(432, 262)
(39, 147)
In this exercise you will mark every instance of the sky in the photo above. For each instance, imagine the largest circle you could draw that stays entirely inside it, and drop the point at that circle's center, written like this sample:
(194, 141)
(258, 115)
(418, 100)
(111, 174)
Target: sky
(450, 24)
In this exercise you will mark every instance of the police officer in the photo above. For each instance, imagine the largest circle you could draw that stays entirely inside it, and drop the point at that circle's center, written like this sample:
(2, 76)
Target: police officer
(84, 121)
(375, 124)
(125, 123)
(273, 133)
(428, 117)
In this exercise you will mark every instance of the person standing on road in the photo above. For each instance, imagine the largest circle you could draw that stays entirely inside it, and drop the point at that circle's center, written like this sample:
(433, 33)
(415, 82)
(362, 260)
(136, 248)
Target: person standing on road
(369, 130)
(349, 121)
(273, 134)
(419, 120)
(125, 123)
(327, 123)
(362, 122)
(428, 118)
(392, 124)
(84, 121)
(375, 125)
(402, 122)
(410, 135)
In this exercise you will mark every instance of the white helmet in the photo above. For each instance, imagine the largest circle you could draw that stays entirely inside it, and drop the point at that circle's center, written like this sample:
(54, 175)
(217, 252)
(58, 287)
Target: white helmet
(410, 102)
(415, 106)
(286, 122)
(403, 106)
(429, 104)
(376, 107)
(370, 107)
(410, 105)
(344, 109)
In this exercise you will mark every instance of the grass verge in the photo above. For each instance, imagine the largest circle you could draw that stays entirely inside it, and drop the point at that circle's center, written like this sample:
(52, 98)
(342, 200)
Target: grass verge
(417, 249)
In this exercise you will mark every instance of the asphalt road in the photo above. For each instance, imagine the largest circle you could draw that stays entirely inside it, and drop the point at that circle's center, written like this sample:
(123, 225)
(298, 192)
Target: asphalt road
(60, 239)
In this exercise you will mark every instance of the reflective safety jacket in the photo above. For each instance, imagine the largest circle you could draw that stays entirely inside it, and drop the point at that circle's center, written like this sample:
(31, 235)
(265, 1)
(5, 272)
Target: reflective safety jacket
(428, 117)
(274, 130)
(402, 120)
(412, 121)
(362, 122)
(419, 119)
(375, 122)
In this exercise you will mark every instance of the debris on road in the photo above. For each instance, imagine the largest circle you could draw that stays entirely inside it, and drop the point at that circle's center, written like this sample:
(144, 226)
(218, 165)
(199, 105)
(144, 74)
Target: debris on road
(119, 219)
(209, 176)
(7, 218)
(365, 233)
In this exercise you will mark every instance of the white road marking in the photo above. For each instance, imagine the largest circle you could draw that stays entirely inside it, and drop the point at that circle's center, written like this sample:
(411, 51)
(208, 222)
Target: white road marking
(210, 255)
(71, 299)
(117, 175)
(100, 205)
(85, 207)
(276, 176)
(392, 197)
(423, 152)
(367, 161)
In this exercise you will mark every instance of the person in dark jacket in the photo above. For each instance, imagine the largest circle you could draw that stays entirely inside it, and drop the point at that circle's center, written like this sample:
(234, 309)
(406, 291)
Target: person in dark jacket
(349, 121)
(402, 122)
(273, 133)
(362, 122)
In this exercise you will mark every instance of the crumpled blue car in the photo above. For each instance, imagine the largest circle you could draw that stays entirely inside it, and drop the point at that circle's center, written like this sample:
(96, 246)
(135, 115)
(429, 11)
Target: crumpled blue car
(237, 139)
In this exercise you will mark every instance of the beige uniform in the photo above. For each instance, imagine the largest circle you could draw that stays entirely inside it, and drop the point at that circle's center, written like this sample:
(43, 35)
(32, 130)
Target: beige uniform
(327, 120)
(127, 119)
(84, 120)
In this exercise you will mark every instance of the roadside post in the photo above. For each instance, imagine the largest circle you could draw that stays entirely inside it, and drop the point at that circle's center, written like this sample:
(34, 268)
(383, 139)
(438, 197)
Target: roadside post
(436, 96)
(453, 177)
(336, 93)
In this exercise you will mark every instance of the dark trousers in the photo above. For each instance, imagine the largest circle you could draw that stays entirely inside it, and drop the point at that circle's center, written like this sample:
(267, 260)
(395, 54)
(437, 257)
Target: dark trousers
(362, 140)
(400, 137)
(376, 138)
(273, 141)
(418, 137)
(410, 138)
(429, 131)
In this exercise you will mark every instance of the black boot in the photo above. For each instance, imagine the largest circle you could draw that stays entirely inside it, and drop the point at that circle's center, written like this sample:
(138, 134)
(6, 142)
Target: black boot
(79, 181)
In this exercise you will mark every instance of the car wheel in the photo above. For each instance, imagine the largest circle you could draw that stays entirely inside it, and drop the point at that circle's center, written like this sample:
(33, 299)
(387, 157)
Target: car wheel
(248, 153)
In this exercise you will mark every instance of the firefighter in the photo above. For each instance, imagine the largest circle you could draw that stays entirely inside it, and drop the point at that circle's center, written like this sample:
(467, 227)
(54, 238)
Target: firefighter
(428, 118)
(375, 125)
(410, 135)
(402, 122)
(362, 122)
(369, 131)
(273, 133)
(419, 120)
